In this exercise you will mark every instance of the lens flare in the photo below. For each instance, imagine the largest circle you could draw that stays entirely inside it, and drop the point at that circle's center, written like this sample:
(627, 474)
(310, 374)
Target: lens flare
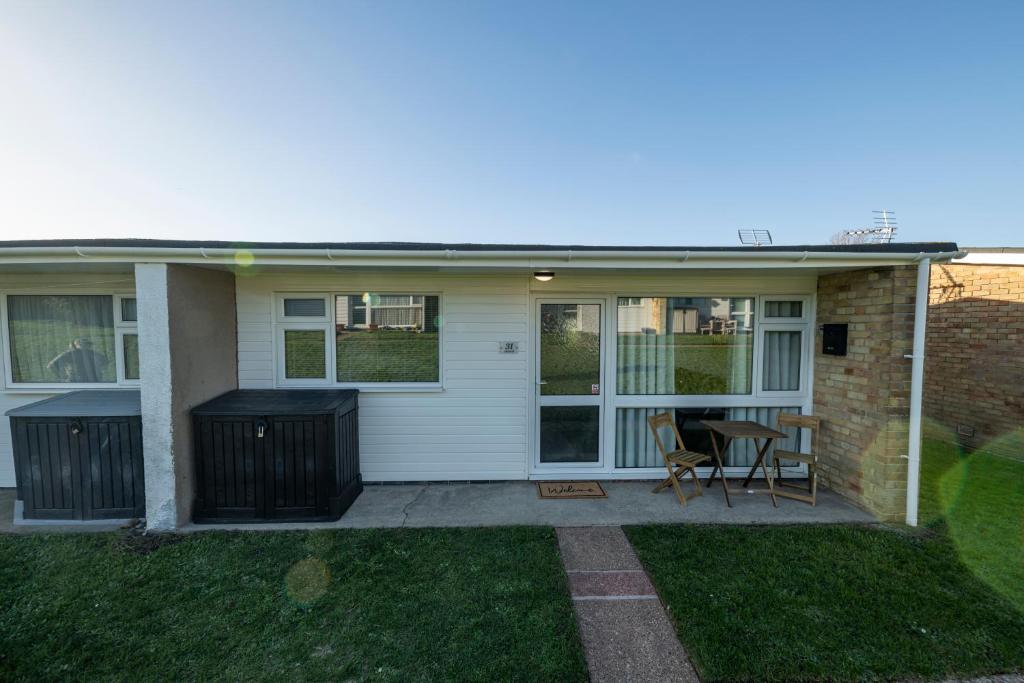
(244, 258)
(307, 580)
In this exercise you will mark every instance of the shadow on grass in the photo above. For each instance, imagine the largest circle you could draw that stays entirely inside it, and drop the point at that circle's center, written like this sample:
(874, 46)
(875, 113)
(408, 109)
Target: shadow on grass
(977, 500)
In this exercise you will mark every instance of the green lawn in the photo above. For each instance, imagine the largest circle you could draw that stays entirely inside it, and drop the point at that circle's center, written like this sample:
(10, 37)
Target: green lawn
(828, 603)
(468, 604)
(977, 500)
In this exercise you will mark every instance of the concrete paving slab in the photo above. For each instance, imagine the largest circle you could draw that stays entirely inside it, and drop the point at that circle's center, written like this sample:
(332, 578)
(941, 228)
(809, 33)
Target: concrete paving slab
(610, 584)
(596, 548)
(631, 640)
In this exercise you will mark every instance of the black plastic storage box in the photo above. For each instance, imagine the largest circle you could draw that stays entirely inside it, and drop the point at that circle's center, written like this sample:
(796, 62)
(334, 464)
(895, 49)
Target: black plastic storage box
(79, 456)
(277, 455)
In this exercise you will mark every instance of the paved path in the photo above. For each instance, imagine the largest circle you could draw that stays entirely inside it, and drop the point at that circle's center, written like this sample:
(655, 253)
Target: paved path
(627, 636)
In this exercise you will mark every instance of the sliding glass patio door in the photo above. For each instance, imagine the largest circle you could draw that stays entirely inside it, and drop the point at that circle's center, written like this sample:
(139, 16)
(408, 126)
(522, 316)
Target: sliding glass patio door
(569, 383)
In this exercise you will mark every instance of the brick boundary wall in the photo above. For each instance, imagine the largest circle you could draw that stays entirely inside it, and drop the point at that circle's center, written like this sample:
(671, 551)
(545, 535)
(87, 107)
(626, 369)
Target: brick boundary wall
(974, 368)
(863, 397)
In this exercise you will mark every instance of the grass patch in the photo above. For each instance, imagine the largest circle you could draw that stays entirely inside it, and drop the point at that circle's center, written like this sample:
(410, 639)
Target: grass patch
(468, 604)
(827, 603)
(977, 499)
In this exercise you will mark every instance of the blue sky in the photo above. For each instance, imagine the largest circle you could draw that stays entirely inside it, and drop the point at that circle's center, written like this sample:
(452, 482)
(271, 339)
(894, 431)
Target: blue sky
(603, 123)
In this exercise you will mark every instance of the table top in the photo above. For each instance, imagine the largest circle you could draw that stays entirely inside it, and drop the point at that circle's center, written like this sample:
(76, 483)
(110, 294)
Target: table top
(742, 429)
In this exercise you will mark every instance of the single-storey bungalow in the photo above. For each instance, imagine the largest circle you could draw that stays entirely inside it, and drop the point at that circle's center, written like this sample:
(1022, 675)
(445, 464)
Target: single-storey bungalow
(486, 362)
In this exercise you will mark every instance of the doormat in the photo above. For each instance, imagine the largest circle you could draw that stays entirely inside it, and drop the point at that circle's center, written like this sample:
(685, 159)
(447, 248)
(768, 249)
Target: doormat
(570, 489)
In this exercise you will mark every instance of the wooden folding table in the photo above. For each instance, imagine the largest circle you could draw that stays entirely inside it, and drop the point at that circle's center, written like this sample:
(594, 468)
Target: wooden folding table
(741, 429)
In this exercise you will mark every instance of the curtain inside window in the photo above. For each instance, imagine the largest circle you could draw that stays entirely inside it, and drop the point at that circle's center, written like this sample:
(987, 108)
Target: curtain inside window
(781, 360)
(634, 443)
(62, 338)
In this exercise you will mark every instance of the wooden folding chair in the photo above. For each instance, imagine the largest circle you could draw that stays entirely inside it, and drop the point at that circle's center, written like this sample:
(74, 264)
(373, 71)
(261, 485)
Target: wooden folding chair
(810, 459)
(679, 461)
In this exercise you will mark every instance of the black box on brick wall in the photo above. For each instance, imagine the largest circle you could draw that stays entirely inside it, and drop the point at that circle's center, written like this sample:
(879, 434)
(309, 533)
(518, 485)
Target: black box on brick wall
(833, 339)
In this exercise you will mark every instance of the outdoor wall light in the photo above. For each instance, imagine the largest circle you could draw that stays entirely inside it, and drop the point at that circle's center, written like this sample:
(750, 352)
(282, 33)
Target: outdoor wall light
(544, 275)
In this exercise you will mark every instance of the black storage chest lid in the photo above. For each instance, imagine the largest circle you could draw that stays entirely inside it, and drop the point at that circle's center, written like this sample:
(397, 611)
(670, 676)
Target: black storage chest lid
(85, 403)
(276, 402)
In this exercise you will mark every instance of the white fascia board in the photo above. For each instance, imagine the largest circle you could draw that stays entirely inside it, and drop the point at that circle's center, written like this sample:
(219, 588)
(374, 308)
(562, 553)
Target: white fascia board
(452, 259)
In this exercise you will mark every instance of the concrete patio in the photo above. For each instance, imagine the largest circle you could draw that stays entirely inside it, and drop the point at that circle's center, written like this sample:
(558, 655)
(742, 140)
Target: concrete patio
(516, 503)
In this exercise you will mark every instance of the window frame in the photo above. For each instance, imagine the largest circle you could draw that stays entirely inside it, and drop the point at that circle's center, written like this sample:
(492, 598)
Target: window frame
(805, 314)
(328, 323)
(804, 330)
(282, 318)
(120, 328)
(755, 399)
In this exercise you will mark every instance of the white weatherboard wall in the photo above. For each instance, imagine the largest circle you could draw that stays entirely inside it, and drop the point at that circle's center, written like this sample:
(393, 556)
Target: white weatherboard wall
(478, 427)
(56, 283)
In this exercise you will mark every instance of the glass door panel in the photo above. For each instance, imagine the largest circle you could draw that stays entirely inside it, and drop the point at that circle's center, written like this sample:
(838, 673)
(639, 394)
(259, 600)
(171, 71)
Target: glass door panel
(569, 383)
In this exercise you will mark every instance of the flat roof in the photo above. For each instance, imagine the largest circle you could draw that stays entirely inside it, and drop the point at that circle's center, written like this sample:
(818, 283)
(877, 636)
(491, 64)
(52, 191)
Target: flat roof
(872, 248)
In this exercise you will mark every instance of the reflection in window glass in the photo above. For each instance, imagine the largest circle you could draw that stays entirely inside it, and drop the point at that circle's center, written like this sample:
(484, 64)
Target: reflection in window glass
(305, 308)
(685, 346)
(387, 337)
(569, 433)
(61, 338)
(570, 349)
(129, 309)
(305, 354)
(130, 349)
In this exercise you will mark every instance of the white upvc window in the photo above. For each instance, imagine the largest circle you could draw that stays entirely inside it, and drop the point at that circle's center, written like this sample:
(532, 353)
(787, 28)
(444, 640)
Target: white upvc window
(69, 340)
(784, 347)
(737, 357)
(389, 341)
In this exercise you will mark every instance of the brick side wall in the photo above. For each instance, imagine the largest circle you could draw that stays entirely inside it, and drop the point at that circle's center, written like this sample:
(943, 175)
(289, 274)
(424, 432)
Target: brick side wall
(863, 397)
(974, 368)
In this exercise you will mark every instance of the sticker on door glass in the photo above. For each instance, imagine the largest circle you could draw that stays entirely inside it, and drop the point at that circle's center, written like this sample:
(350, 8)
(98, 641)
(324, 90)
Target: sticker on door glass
(595, 389)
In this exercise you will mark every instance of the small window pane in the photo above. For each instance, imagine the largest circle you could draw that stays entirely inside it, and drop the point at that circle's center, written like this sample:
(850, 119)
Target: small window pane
(131, 355)
(61, 338)
(129, 310)
(569, 433)
(685, 346)
(387, 338)
(305, 354)
(570, 349)
(304, 308)
(784, 309)
(781, 360)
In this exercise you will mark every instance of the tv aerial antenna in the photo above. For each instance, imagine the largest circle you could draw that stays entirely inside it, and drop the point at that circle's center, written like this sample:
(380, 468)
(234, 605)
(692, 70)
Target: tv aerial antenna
(755, 238)
(884, 230)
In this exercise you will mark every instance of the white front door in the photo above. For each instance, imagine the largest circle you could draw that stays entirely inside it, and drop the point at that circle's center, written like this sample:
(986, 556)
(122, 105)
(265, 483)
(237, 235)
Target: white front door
(569, 384)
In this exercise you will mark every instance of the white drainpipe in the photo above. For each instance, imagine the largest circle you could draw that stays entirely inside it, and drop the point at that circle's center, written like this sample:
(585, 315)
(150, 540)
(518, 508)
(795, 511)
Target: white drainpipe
(917, 390)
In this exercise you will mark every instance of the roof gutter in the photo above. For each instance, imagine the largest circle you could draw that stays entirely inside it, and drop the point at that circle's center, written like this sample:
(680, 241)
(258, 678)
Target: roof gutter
(446, 257)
